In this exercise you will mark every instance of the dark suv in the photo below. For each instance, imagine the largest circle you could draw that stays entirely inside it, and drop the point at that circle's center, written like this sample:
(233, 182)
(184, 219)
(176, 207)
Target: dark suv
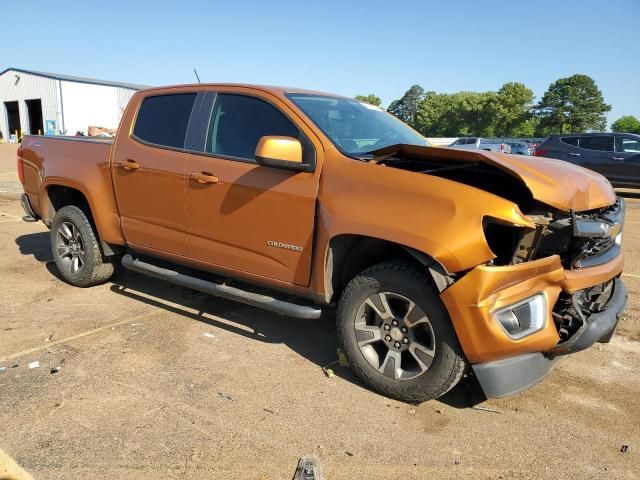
(614, 155)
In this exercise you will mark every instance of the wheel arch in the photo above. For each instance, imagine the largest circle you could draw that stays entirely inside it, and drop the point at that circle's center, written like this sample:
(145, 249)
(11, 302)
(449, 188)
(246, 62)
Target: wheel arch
(59, 195)
(349, 254)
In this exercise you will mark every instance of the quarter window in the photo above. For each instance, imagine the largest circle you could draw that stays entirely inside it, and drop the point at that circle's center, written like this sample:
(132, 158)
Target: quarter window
(163, 119)
(238, 122)
(627, 144)
(570, 141)
(602, 143)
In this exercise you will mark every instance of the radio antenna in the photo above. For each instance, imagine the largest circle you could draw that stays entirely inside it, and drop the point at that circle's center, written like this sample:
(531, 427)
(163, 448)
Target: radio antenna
(196, 72)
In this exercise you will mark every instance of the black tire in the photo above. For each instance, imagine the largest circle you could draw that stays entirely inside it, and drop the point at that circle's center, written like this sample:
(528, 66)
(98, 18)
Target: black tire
(397, 282)
(91, 268)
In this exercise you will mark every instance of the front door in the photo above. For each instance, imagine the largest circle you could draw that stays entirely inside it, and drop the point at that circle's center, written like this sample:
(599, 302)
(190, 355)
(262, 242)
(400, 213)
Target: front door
(148, 172)
(246, 217)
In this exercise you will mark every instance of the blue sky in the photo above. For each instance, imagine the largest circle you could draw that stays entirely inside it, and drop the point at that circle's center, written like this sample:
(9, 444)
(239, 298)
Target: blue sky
(345, 47)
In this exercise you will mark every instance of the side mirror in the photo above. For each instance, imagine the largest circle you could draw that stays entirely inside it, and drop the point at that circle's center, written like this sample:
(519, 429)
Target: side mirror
(280, 152)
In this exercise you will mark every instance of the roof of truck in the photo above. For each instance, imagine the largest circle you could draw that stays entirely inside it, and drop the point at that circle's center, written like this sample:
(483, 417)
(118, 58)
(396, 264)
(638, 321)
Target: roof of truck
(71, 78)
(268, 88)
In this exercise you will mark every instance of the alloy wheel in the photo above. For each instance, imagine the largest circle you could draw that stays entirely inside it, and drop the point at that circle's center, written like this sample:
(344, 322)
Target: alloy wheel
(395, 336)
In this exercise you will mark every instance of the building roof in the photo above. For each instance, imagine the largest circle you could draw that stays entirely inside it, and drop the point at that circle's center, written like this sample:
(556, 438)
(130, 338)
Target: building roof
(70, 78)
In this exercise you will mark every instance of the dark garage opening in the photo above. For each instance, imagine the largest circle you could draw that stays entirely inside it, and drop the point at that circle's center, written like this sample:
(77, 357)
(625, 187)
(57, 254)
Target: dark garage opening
(34, 109)
(13, 116)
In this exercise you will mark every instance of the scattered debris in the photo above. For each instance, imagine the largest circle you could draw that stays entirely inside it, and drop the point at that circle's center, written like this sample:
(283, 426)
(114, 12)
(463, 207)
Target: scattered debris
(209, 335)
(57, 368)
(624, 449)
(349, 454)
(269, 411)
(456, 461)
(327, 368)
(48, 339)
(35, 364)
(328, 372)
(135, 324)
(411, 411)
(309, 468)
(342, 359)
(485, 409)
(438, 411)
(225, 396)
(2, 369)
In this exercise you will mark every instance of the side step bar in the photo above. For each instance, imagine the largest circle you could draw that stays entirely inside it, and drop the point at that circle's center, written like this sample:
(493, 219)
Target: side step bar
(224, 291)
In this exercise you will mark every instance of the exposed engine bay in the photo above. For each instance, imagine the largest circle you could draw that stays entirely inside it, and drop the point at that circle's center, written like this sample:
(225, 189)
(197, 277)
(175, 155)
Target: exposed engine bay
(581, 239)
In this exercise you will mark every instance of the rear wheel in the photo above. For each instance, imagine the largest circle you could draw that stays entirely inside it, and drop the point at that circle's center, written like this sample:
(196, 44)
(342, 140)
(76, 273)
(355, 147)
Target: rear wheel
(76, 250)
(397, 335)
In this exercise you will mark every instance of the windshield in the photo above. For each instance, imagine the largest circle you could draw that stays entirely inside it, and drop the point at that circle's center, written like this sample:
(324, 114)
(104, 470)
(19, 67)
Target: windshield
(355, 127)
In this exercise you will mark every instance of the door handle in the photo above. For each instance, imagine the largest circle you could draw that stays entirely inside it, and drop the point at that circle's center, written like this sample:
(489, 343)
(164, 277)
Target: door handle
(574, 154)
(620, 159)
(128, 164)
(204, 177)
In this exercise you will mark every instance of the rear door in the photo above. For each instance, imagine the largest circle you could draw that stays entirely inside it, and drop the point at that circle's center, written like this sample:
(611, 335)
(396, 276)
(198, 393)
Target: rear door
(148, 170)
(250, 218)
(594, 152)
(627, 160)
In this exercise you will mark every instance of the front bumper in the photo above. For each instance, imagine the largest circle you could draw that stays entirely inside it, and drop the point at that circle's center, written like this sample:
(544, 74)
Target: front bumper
(509, 376)
(473, 299)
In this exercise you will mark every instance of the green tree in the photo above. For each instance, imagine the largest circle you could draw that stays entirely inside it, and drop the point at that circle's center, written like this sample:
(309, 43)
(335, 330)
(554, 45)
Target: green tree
(456, 114)
(407, 107)
(511, 110)
(572, 104)
(626, 124)
(371, 99)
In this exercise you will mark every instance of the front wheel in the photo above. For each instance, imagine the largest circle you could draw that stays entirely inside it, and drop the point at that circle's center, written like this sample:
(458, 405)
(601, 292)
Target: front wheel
(76, 250)
(397, 335)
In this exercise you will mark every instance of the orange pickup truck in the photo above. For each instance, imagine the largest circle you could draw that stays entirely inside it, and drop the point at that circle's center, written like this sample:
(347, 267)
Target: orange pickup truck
(440, 261)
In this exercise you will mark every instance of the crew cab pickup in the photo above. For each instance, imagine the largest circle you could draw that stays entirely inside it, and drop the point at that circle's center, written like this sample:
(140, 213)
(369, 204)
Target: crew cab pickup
(439, 260)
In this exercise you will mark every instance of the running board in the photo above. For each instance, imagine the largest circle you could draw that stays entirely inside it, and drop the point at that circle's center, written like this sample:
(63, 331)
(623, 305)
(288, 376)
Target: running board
(225, 291)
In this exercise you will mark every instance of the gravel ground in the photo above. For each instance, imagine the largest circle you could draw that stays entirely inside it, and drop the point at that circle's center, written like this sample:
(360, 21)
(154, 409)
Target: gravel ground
(139, 379)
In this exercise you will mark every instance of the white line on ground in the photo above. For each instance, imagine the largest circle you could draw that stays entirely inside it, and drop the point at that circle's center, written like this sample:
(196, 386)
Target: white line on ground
(9, 215)
(630, 275)
(77, 336)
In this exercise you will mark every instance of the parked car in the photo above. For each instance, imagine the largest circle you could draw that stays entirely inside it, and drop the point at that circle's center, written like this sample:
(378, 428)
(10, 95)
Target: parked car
(476, 143)
(614, 155)
(436, 258)
(520, 148)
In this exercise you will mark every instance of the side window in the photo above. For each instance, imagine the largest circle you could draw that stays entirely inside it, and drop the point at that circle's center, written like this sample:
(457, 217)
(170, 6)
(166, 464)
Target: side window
(627, 144)
(163, 119)
(238, 122)
(471, 141)
(570, 140)
(602, 143)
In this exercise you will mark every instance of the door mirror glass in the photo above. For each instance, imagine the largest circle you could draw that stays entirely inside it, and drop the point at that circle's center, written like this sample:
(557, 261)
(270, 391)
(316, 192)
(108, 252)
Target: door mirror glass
(280, 152)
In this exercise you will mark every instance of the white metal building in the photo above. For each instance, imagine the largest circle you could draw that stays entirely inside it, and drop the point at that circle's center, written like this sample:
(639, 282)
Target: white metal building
(49, 103)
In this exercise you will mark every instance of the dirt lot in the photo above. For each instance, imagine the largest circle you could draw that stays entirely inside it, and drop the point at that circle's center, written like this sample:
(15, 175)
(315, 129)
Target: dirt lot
(157, 381)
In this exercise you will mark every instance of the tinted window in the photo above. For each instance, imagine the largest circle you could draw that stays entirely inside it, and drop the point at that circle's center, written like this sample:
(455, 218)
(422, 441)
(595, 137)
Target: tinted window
(570, 141)
(238, 122)
(603, 143)
(163, 119)
(627, 144)
(471, 141)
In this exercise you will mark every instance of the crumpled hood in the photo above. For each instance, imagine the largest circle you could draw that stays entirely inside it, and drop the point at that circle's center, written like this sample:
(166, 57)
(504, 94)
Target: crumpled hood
(557, 183)
(554, 182)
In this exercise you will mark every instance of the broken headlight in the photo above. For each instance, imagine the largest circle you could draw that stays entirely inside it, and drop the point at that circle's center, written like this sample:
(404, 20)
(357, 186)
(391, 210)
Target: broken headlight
(524, 317)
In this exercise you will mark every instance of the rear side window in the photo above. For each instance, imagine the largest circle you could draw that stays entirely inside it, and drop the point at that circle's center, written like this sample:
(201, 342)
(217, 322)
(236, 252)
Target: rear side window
(163, 119)
(471, 141)
(570, 140)
(238, 122)
(602, 143)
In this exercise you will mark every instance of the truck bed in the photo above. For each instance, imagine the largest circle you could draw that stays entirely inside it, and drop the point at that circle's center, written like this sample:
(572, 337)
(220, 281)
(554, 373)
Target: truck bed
(79, 163)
